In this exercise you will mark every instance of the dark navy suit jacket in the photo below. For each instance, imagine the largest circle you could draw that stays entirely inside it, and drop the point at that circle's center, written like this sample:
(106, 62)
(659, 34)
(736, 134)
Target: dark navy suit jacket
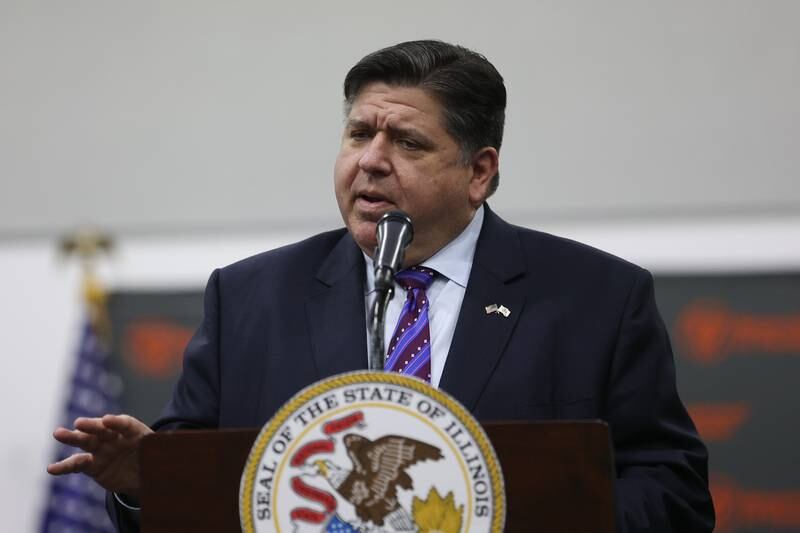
(584, 340)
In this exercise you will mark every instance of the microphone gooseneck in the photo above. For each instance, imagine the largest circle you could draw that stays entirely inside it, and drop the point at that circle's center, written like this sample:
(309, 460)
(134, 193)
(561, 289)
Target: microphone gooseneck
(394, 233)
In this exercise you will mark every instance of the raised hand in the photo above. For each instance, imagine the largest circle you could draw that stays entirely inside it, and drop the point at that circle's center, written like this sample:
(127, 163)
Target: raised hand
(111, 451)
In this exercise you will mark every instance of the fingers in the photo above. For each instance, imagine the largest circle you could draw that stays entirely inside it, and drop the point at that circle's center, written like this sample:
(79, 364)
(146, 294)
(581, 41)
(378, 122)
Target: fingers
(76, 438)
(79, 462)
(89, 434)
(109, 427)
(95, 426)
(126, 425)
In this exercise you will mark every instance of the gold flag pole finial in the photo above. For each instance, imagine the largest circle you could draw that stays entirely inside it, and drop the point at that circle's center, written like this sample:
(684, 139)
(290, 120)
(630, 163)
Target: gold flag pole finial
(87, 245)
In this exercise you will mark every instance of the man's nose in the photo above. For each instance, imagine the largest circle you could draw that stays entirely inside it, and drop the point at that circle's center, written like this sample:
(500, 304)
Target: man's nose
(375, 158)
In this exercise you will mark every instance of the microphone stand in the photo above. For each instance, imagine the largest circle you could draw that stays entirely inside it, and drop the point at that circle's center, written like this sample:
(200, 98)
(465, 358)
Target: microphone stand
(384, 291)
(377, 319)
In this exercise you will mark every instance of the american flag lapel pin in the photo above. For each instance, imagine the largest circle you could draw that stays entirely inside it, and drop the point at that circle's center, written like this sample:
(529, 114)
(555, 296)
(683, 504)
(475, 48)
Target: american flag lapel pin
(498, 310)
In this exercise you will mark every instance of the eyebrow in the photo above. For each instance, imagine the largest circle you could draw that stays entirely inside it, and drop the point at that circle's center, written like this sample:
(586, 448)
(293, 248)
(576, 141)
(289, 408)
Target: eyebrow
(394, 131)
(354, 123)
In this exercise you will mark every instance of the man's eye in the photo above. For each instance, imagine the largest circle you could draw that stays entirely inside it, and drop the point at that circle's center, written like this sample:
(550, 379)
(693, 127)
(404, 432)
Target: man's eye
(408, 144)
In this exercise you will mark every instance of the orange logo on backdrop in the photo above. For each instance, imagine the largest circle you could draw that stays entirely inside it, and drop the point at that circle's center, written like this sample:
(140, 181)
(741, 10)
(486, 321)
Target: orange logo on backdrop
(709, 332)
(718, 421)
(154, 347)
(737, 507)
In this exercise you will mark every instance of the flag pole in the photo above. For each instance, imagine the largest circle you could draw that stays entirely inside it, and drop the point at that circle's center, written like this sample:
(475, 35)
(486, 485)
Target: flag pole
(87, 245)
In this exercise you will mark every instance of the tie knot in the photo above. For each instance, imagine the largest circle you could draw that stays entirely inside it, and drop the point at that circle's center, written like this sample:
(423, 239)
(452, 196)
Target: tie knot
(416, 277)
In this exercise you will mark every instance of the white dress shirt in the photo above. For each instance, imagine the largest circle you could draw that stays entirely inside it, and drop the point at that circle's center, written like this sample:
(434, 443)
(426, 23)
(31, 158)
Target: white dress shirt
(453, 263)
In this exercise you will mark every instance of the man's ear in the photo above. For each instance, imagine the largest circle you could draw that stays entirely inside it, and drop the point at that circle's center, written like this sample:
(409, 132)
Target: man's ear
(485, 163)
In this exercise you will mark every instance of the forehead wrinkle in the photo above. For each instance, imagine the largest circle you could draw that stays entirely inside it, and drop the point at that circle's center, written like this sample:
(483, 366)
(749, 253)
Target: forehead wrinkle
(391, 122)
(415, 99)
(386, 98)
(386, 117)
(387, 104)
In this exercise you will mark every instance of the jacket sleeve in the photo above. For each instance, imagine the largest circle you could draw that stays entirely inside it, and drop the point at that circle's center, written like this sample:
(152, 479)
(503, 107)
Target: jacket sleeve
(661, 463)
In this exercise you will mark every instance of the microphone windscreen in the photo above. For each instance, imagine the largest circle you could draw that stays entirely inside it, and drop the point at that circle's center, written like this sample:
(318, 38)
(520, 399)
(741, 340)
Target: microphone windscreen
(394, 233)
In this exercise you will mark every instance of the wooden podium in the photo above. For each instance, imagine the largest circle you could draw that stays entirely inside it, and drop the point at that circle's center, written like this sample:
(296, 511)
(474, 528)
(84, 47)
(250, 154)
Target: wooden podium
(558, 477)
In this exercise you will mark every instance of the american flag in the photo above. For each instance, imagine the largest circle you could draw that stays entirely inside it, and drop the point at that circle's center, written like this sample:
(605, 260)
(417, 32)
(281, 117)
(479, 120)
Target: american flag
(75, 503)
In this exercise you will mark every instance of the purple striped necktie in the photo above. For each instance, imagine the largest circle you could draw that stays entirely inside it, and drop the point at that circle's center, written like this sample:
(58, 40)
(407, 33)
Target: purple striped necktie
(410, 346)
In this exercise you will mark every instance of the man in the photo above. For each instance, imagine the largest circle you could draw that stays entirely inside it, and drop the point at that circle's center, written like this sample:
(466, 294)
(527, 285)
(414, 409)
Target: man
(583, 338)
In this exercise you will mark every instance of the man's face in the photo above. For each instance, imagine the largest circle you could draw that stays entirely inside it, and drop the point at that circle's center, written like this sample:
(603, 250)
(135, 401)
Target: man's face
(396, 154)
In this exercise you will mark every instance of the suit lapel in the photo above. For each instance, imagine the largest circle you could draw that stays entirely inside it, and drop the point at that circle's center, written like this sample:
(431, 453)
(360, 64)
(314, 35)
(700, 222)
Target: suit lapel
(480, 338)
(336, 315)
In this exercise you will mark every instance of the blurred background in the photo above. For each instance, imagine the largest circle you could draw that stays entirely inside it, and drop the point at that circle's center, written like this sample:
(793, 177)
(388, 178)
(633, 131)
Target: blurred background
(197, 133)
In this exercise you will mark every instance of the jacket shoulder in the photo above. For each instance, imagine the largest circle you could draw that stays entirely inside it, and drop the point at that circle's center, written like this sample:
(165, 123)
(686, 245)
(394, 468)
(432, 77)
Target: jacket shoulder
(572, 257)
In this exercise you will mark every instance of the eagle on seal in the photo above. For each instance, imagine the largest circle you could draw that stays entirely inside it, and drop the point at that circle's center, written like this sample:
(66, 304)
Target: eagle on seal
(379, 467)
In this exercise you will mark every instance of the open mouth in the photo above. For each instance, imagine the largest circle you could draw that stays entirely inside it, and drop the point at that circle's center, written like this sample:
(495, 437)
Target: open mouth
(373, 205)
(373, 199)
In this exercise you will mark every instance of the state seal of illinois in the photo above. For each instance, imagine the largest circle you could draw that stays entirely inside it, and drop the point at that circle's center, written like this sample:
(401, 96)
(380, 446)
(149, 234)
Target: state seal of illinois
(372, 452)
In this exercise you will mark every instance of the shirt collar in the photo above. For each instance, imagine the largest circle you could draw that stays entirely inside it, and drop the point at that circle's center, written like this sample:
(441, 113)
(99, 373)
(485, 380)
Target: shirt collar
(453, 261)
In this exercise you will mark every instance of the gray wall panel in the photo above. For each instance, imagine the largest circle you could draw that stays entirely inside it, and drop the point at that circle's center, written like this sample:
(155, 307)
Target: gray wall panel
(173, 115)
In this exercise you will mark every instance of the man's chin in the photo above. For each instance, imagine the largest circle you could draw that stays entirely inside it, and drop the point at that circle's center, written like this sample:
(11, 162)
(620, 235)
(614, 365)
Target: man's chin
(363, 233)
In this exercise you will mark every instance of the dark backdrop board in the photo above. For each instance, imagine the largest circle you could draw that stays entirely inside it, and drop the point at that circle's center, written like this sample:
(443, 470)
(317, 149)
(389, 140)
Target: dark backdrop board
(737, 346)
(150, 331)
(737, 349)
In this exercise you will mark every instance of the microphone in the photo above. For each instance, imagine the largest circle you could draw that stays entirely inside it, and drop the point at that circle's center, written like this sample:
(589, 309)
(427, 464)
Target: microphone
(394, 234)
